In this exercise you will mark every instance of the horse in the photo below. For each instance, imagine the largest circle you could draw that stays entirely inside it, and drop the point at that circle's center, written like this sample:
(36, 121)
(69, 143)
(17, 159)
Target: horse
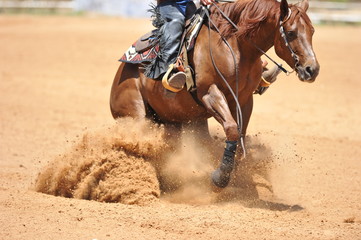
(227, 63)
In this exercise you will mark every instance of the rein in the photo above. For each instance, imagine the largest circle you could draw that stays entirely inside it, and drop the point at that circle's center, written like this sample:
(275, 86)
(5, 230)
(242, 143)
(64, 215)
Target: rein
(235, 96)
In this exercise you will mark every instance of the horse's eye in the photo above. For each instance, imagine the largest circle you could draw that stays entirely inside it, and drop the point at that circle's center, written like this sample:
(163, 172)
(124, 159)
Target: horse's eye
(291, 35)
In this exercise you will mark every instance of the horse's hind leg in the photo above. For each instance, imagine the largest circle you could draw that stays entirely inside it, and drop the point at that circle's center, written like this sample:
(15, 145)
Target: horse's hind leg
(217, 105)
(125, 97)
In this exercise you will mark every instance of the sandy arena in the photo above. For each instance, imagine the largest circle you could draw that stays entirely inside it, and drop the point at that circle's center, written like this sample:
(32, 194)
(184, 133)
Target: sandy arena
(302, 179)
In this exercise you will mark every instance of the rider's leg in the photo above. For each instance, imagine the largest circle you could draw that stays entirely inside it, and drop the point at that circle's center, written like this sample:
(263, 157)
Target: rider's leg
(171, 33)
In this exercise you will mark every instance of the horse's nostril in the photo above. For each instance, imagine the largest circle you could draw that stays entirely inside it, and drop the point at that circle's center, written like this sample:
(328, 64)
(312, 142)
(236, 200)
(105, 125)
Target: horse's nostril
(309, 70)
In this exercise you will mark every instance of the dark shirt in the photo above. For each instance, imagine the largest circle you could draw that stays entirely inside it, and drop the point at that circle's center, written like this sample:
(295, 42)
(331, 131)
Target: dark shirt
(182, 4)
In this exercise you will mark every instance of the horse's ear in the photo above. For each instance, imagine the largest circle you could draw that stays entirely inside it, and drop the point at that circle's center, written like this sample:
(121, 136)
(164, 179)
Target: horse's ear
(284, 10)
(304, 5)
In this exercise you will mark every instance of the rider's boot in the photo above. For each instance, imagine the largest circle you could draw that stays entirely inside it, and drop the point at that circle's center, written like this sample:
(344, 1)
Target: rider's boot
(270, 75)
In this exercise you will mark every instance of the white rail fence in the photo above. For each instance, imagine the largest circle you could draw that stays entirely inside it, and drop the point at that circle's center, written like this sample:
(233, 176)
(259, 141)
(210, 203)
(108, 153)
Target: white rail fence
(127, 8)
(32, 4)
(335, 12)
(319, 11)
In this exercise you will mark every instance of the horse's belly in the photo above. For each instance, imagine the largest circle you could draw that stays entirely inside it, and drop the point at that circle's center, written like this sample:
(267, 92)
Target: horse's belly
(175, 107)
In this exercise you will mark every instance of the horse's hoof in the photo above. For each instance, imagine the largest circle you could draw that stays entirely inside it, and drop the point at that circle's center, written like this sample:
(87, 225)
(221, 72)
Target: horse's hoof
(220, 179)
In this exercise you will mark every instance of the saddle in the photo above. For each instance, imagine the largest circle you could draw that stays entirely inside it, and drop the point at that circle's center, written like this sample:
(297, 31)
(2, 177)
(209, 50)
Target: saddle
(146, 48)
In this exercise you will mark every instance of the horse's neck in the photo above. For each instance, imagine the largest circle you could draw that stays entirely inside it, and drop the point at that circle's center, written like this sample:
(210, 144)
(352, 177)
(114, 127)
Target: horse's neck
(263, 40)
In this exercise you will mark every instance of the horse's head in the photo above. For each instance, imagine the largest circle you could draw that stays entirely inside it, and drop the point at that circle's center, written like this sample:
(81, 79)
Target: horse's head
(293, 42)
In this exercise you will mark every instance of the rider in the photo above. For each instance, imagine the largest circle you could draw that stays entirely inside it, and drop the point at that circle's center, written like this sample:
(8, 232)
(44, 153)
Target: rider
(172, 14)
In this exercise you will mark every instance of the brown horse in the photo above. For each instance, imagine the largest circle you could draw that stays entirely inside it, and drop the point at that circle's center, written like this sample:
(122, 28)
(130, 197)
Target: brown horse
(260, 24)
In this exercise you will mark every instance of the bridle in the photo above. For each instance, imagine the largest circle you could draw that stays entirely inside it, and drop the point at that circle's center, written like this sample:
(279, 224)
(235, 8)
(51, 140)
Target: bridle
(283, 35)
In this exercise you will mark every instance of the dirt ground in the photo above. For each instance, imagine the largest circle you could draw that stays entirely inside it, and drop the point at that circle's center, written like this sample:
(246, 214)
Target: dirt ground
(55, 78)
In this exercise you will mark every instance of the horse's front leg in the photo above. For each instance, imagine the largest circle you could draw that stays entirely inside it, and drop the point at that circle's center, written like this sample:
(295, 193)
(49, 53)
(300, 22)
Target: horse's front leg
(246, 115)
(217, 105)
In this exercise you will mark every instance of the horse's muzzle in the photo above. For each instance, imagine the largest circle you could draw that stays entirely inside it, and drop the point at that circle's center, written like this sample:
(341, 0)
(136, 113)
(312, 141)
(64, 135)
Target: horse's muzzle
(308, 72)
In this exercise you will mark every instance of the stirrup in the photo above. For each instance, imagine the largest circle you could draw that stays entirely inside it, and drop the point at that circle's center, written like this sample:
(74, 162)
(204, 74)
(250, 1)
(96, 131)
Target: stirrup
(176, 82)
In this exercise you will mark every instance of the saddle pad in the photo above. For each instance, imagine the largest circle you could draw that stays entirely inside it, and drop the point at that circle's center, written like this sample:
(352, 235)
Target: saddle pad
(146, 56)
(132, 56)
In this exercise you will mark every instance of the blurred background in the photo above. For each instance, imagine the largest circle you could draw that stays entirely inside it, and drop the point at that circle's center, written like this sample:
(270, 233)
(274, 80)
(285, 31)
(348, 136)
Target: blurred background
(329, 11)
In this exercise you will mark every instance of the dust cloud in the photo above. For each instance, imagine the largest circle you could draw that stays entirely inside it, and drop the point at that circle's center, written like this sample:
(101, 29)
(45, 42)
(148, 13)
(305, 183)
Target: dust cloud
(111, 165)
(132, 163)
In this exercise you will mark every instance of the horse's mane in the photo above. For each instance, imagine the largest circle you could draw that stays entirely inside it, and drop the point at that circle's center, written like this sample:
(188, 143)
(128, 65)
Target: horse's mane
(247, 14)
